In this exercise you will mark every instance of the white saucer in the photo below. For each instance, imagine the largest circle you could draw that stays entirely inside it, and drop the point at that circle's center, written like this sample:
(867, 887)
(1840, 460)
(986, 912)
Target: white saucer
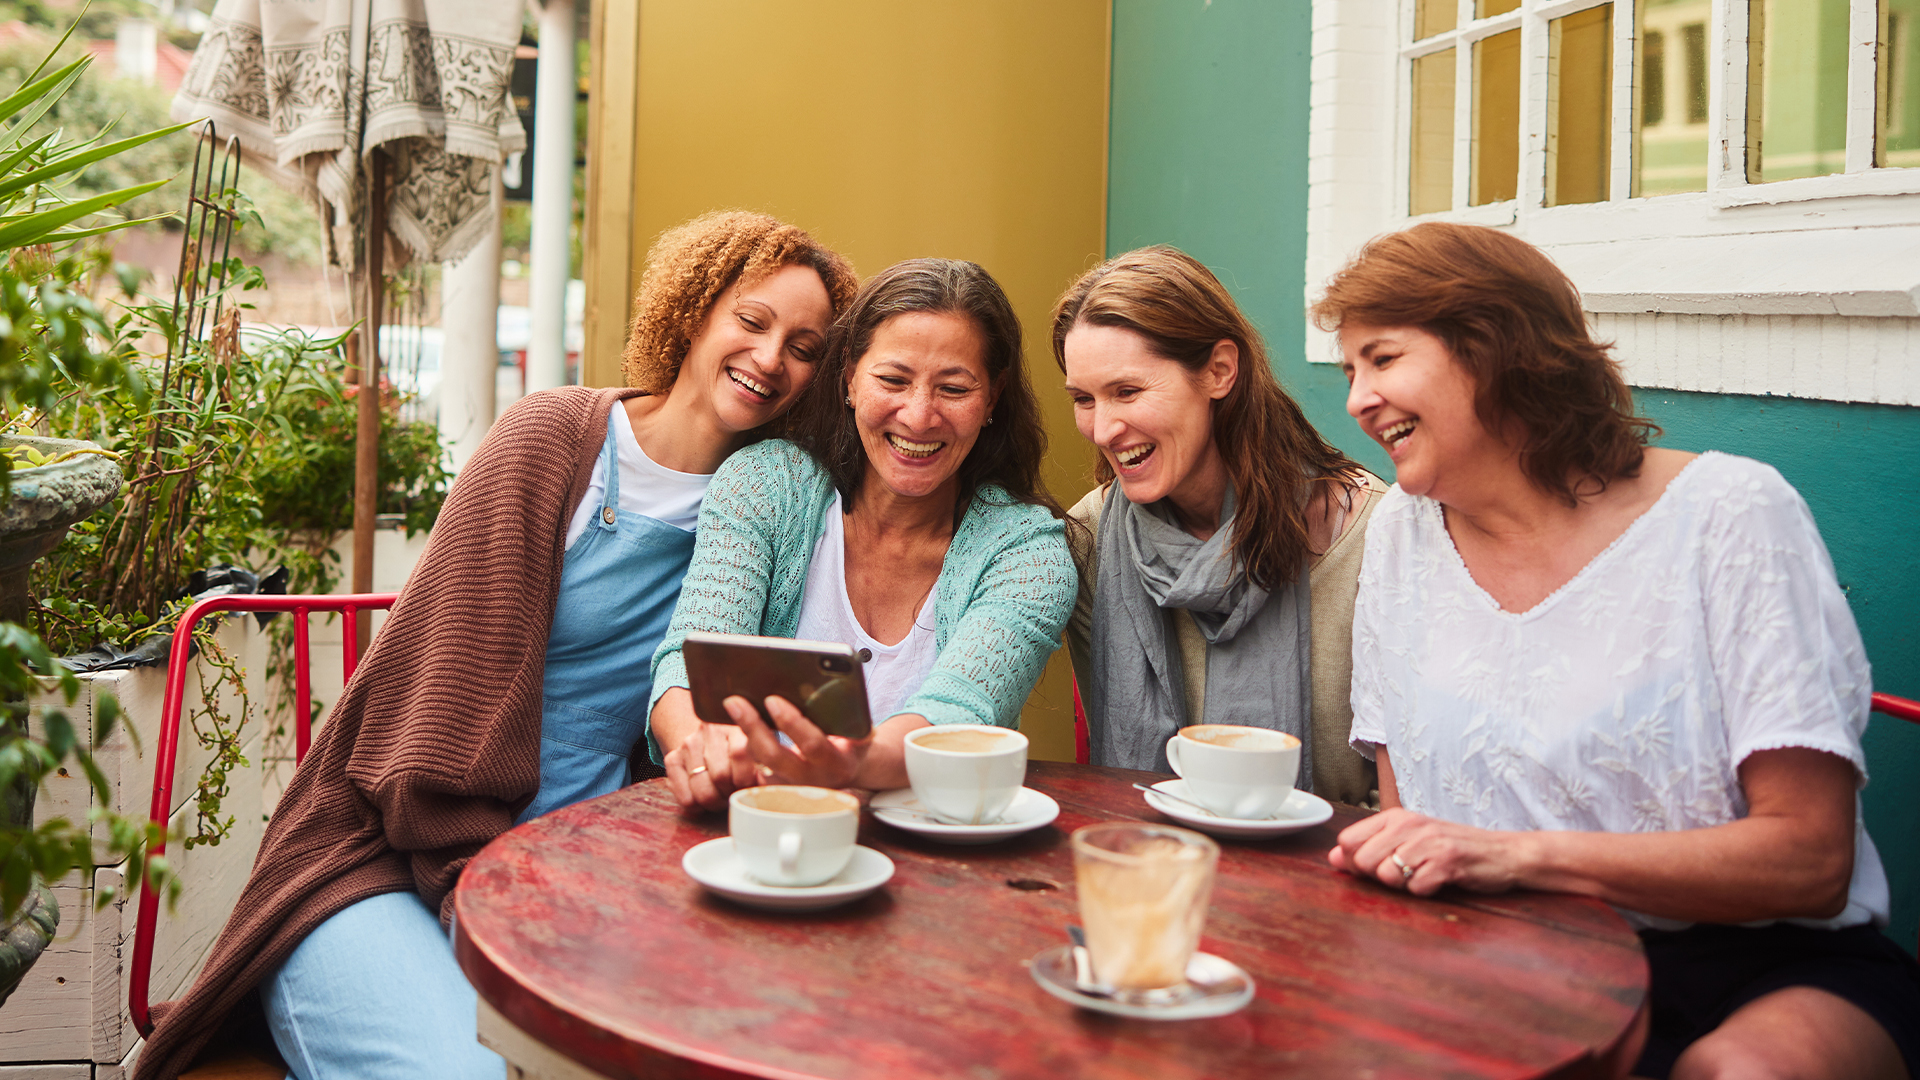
(1029, 810)
(1215, 987)
(1302, 810)
(714, 865)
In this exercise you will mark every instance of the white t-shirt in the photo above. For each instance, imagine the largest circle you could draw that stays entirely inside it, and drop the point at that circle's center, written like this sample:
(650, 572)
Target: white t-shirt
(895, 672)
(645, 487)
(1624, 702)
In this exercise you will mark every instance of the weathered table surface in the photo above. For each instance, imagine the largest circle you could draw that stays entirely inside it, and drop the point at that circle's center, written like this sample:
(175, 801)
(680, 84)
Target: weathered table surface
(582, 930)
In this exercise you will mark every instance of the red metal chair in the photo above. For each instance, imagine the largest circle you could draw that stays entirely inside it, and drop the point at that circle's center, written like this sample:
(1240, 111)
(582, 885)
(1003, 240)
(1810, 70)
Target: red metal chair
(349, 606)
(1898, 707)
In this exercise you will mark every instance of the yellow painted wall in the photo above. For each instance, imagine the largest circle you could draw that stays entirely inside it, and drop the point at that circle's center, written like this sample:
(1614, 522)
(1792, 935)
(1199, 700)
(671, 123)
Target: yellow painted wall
(970, 129)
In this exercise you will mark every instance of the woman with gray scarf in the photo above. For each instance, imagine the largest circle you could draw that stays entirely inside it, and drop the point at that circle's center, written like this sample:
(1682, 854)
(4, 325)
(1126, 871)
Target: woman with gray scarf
(1221, 552)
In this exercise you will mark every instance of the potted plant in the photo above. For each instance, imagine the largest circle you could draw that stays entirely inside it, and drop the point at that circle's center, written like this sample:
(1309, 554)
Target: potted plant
(50, 333)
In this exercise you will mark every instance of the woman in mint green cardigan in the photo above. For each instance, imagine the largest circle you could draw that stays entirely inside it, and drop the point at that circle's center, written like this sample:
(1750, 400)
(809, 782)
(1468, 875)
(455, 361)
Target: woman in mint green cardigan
(907, 519)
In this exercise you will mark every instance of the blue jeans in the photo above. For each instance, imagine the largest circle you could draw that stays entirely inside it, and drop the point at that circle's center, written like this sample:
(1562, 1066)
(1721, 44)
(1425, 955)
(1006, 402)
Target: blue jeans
(374, 994)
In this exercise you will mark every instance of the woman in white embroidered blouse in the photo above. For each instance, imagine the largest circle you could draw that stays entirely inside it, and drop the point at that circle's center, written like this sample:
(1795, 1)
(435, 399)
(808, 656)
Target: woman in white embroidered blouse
(1591, 666)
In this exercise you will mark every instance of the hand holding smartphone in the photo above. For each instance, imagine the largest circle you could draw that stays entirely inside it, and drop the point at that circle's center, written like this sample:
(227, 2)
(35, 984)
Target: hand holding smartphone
(822, 679)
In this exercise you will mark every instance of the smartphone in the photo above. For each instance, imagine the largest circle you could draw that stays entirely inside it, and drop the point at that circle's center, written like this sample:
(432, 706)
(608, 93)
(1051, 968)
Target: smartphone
(820, 678)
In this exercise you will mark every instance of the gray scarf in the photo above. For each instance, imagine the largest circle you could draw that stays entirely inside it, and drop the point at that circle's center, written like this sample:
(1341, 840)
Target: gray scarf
(1259, 643)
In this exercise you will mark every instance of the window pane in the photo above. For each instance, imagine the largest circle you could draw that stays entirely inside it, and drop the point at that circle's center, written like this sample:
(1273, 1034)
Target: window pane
(1796, 88)
(1694, 37)
(1431, 182)
(1496, 118)
(1897, 127)
(1432, 17)
(1653, 77)
(1670, 81)
(1579, 106)
(1484, 8)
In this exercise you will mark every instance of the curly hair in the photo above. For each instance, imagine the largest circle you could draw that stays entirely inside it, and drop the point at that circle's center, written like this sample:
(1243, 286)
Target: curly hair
(1007, 452)
(1514, 322)
(690, 265)
(1273, 454)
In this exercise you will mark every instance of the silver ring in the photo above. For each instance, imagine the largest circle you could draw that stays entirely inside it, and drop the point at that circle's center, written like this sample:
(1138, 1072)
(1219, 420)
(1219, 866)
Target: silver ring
(691, 773)
(1405, 870)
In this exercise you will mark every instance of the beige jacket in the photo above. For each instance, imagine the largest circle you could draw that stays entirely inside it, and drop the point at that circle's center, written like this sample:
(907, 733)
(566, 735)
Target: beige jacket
(1339, 773)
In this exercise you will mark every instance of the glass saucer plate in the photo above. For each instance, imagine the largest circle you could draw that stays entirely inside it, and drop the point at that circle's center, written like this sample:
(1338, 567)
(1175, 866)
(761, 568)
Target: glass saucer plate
(714, 865)
(1302, 810)
(1214, 987)
(1029, 810)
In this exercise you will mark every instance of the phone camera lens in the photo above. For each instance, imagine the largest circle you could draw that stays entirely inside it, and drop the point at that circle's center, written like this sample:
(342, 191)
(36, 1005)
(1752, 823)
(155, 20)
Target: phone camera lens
(834, 663)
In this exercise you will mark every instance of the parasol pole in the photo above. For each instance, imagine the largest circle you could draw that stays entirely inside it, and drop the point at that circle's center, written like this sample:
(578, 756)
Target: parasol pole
(366, 458)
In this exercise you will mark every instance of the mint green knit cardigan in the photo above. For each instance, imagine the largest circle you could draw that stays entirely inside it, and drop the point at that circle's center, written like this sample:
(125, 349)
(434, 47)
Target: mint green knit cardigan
(1003, 596)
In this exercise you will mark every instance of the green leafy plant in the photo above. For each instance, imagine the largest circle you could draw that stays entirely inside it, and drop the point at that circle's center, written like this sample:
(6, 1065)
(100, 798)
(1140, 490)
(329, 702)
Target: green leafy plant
(50, 335)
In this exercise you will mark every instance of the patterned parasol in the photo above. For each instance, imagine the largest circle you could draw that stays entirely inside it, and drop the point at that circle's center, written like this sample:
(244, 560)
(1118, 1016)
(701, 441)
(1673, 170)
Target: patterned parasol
(314, 87)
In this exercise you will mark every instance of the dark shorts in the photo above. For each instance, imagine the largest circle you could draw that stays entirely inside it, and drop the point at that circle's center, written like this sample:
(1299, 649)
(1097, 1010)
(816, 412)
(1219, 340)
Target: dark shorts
(1702, 974)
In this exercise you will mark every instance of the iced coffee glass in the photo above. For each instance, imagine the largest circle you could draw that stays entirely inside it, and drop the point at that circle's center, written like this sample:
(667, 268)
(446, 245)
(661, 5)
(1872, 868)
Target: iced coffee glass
(1143, 900)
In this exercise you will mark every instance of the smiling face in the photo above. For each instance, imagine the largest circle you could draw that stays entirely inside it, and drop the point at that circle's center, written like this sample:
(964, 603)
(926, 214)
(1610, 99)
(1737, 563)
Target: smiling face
(757, 348)
(920, 395)
(1413, 398)
(1151, 418)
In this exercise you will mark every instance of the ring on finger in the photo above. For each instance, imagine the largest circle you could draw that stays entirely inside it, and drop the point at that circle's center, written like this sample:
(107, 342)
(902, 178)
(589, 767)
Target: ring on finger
(1405, 870)
(693, 772)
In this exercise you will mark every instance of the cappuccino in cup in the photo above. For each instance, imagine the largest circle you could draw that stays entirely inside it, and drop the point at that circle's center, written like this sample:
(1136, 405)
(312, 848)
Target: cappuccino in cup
(1235, 771)
(966, 774)
(791, 835)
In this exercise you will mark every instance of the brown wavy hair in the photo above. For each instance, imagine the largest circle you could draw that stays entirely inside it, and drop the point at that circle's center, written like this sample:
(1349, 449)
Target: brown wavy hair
(1010, 448)
(1276, 459)
(690, 265)
(1514, 322)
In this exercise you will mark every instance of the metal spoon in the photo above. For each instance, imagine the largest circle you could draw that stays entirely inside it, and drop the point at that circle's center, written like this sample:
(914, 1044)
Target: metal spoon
(1082, 965)
(1181, 799)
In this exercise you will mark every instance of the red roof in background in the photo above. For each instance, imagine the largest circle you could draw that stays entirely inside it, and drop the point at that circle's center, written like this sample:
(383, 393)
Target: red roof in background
(169, 62)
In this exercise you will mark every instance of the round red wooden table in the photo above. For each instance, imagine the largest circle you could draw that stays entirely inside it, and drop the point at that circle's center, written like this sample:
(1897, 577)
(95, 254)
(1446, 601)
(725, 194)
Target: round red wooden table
(581, 930)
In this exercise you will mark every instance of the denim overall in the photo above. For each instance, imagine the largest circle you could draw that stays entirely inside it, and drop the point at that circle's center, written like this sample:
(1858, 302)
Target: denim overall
(374, 993)
(618, 586)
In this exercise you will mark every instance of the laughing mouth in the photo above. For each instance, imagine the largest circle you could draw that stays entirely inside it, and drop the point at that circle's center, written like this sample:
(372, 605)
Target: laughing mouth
(913, 449)
(1132, 456)
(1397, 434)
(750, 384)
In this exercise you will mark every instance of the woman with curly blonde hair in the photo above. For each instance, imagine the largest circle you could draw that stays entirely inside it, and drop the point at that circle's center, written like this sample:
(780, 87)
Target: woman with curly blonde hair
(511, 677)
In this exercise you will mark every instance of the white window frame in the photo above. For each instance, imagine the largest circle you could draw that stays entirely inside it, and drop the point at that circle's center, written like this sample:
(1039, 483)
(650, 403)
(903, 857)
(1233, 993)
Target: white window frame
(1840, 246)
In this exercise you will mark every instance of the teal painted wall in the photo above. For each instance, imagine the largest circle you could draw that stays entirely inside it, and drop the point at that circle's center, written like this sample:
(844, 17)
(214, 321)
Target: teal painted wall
(1207, 151)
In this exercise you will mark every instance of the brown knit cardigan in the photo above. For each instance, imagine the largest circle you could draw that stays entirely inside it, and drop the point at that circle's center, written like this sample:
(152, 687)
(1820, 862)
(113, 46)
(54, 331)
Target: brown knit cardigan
(435, 746)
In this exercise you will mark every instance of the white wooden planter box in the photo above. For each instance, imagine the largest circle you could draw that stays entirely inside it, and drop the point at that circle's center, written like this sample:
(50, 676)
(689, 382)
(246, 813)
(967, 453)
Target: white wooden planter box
(71, 1009)
(68, 1018)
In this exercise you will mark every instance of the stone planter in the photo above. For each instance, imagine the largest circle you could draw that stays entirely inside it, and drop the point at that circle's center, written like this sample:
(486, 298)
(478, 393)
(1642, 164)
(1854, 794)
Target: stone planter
(31, 931)
(45, 501)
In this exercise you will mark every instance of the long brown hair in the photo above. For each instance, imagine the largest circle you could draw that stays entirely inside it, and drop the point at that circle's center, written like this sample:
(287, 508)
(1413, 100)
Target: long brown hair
(1009, 449)
(1273, 455)
(1514, 322)
(690, 265)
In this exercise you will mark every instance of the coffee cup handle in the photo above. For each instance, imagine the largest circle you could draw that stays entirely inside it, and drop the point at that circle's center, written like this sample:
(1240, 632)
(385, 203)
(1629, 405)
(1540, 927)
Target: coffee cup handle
(1173, 756)
(789, 854)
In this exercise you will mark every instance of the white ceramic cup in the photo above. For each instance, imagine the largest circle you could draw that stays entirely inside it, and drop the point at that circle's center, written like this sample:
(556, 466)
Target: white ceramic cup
(1234, 771)
(966, 774)
(790, 835)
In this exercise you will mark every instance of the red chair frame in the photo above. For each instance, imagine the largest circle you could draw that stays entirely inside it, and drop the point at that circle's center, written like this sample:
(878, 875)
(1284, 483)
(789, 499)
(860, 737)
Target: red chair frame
(349, 606)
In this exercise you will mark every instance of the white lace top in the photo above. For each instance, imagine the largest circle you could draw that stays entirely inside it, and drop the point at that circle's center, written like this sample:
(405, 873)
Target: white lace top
(1624, 702)
(893, 673)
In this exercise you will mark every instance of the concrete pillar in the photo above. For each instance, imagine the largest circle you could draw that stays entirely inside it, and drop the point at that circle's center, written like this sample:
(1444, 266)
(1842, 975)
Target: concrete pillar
(470, 355)
(136, 44)
(551, 255)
